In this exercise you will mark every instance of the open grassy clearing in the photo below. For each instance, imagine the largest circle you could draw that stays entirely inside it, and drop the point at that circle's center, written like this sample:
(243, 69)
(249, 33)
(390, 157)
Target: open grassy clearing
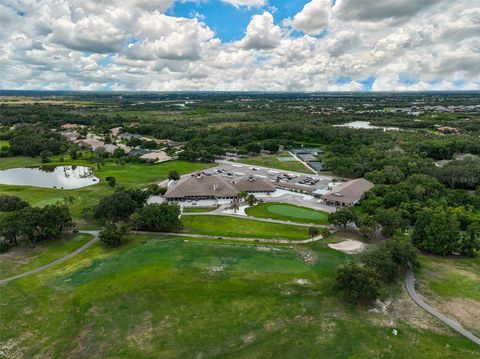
(288, 212)
(241, 227)
(453, 285)
(273, 162)
(131, 175)
(176, 299)
(25, 258)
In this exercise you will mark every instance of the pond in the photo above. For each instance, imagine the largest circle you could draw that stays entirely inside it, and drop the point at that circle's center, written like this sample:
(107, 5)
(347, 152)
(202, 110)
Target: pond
(63, 177)
(366, 125)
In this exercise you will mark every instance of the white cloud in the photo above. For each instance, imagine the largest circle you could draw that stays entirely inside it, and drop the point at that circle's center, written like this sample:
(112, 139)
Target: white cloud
(134, 44)
(247, 3)
(313, 18)
(261, 33)
(372, 10)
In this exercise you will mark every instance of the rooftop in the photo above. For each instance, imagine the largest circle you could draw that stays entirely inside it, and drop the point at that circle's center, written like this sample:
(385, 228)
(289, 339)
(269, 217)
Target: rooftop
(349, 192)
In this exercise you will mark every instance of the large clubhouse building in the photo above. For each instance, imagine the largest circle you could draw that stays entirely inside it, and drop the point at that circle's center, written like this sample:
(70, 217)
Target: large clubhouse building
(200, 187)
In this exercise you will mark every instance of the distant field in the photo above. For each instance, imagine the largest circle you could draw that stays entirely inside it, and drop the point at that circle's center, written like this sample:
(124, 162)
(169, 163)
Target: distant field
(160, 298)
(273, 162)
(288, 212)
(241, 227)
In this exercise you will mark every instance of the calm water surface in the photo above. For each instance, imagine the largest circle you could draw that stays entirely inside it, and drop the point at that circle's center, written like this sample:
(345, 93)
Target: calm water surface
(65, 177)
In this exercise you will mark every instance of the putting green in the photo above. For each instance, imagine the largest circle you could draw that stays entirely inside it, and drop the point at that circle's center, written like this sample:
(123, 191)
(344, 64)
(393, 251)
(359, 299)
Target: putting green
(288, 212)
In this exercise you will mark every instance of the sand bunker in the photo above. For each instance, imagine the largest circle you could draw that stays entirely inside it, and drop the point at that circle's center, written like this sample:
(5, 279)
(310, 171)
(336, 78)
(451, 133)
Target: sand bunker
(348, 246)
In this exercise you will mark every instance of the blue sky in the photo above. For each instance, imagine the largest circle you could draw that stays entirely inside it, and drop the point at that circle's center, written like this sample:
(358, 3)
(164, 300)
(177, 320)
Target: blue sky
(229, 22)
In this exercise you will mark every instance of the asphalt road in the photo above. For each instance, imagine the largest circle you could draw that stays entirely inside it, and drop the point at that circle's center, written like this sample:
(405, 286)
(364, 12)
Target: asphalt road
(409, 283)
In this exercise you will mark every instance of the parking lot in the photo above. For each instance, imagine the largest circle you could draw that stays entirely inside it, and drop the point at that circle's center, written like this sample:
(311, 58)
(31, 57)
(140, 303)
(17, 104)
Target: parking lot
(281, 179)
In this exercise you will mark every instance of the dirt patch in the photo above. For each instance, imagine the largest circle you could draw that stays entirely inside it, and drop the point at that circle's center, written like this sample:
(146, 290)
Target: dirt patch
(141, 334)
(302, 281)
(463, 310)
(403, 309)
(348, 246)
(309, 256)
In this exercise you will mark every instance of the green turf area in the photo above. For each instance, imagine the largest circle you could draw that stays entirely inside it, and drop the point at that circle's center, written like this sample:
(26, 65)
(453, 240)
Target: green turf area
(273, 162)
(24, 258)
(452, 277)
(159, 298)
(288, 212)
(4, 143)
(129, 175)
(199, 209)
(241, 227)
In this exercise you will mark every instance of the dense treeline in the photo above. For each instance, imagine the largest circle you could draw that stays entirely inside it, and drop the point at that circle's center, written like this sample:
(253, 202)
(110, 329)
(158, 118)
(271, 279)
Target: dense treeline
(18, 220)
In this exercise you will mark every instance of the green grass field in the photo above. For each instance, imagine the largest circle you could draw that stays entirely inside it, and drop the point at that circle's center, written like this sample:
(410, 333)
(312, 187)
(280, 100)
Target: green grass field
(199, 209)
(241, 227)
(288, 212)
(131, 175)
(273, 162)
(4, 143)
(160, 298)
(24, 258)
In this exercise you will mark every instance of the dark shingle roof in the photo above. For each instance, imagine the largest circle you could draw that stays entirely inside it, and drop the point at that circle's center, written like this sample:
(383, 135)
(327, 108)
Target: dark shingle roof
(197, 186)
(349, 192)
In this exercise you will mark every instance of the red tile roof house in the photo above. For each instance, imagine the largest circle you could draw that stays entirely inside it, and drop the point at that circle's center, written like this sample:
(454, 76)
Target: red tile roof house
(72, 126)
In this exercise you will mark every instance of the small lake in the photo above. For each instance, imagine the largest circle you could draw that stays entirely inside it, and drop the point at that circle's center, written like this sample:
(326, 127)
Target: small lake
(366, 125)
(63, 177)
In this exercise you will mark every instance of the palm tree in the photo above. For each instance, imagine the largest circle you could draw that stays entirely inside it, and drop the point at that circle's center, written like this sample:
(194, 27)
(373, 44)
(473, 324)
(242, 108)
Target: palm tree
(313, 231)
(135, 218)
(252, 200)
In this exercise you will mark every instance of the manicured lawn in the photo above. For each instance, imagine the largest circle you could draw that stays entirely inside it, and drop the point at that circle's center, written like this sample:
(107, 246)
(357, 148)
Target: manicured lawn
(130, 175)
(199, 209)
(159, 298)
(24, 258)
(273, 162)
(288, 212)
(240, 227)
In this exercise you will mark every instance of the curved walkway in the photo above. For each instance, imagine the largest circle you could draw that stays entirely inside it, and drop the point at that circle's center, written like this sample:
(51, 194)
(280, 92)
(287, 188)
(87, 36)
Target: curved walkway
(95, 239)
(260, 219)
(60, 260)
(409, 283)
(243, 239)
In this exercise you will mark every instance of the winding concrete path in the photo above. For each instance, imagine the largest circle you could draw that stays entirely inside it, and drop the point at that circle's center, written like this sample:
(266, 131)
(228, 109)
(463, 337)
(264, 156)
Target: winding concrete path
(60, 260)
(243, 239)
(95, 239)
(260, 219)
(409, 283)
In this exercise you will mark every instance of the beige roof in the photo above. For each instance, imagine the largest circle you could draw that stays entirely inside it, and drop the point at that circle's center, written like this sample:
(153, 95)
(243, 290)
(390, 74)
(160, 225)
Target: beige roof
(198, 186)
(254, 185)
(159, 156)
(349, 192)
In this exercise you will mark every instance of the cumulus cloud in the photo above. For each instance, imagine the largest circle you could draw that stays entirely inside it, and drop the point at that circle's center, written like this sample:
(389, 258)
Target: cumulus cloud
(247, 3)
(261, 33)
(137, 45)
(313, 17)
(373, 10)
